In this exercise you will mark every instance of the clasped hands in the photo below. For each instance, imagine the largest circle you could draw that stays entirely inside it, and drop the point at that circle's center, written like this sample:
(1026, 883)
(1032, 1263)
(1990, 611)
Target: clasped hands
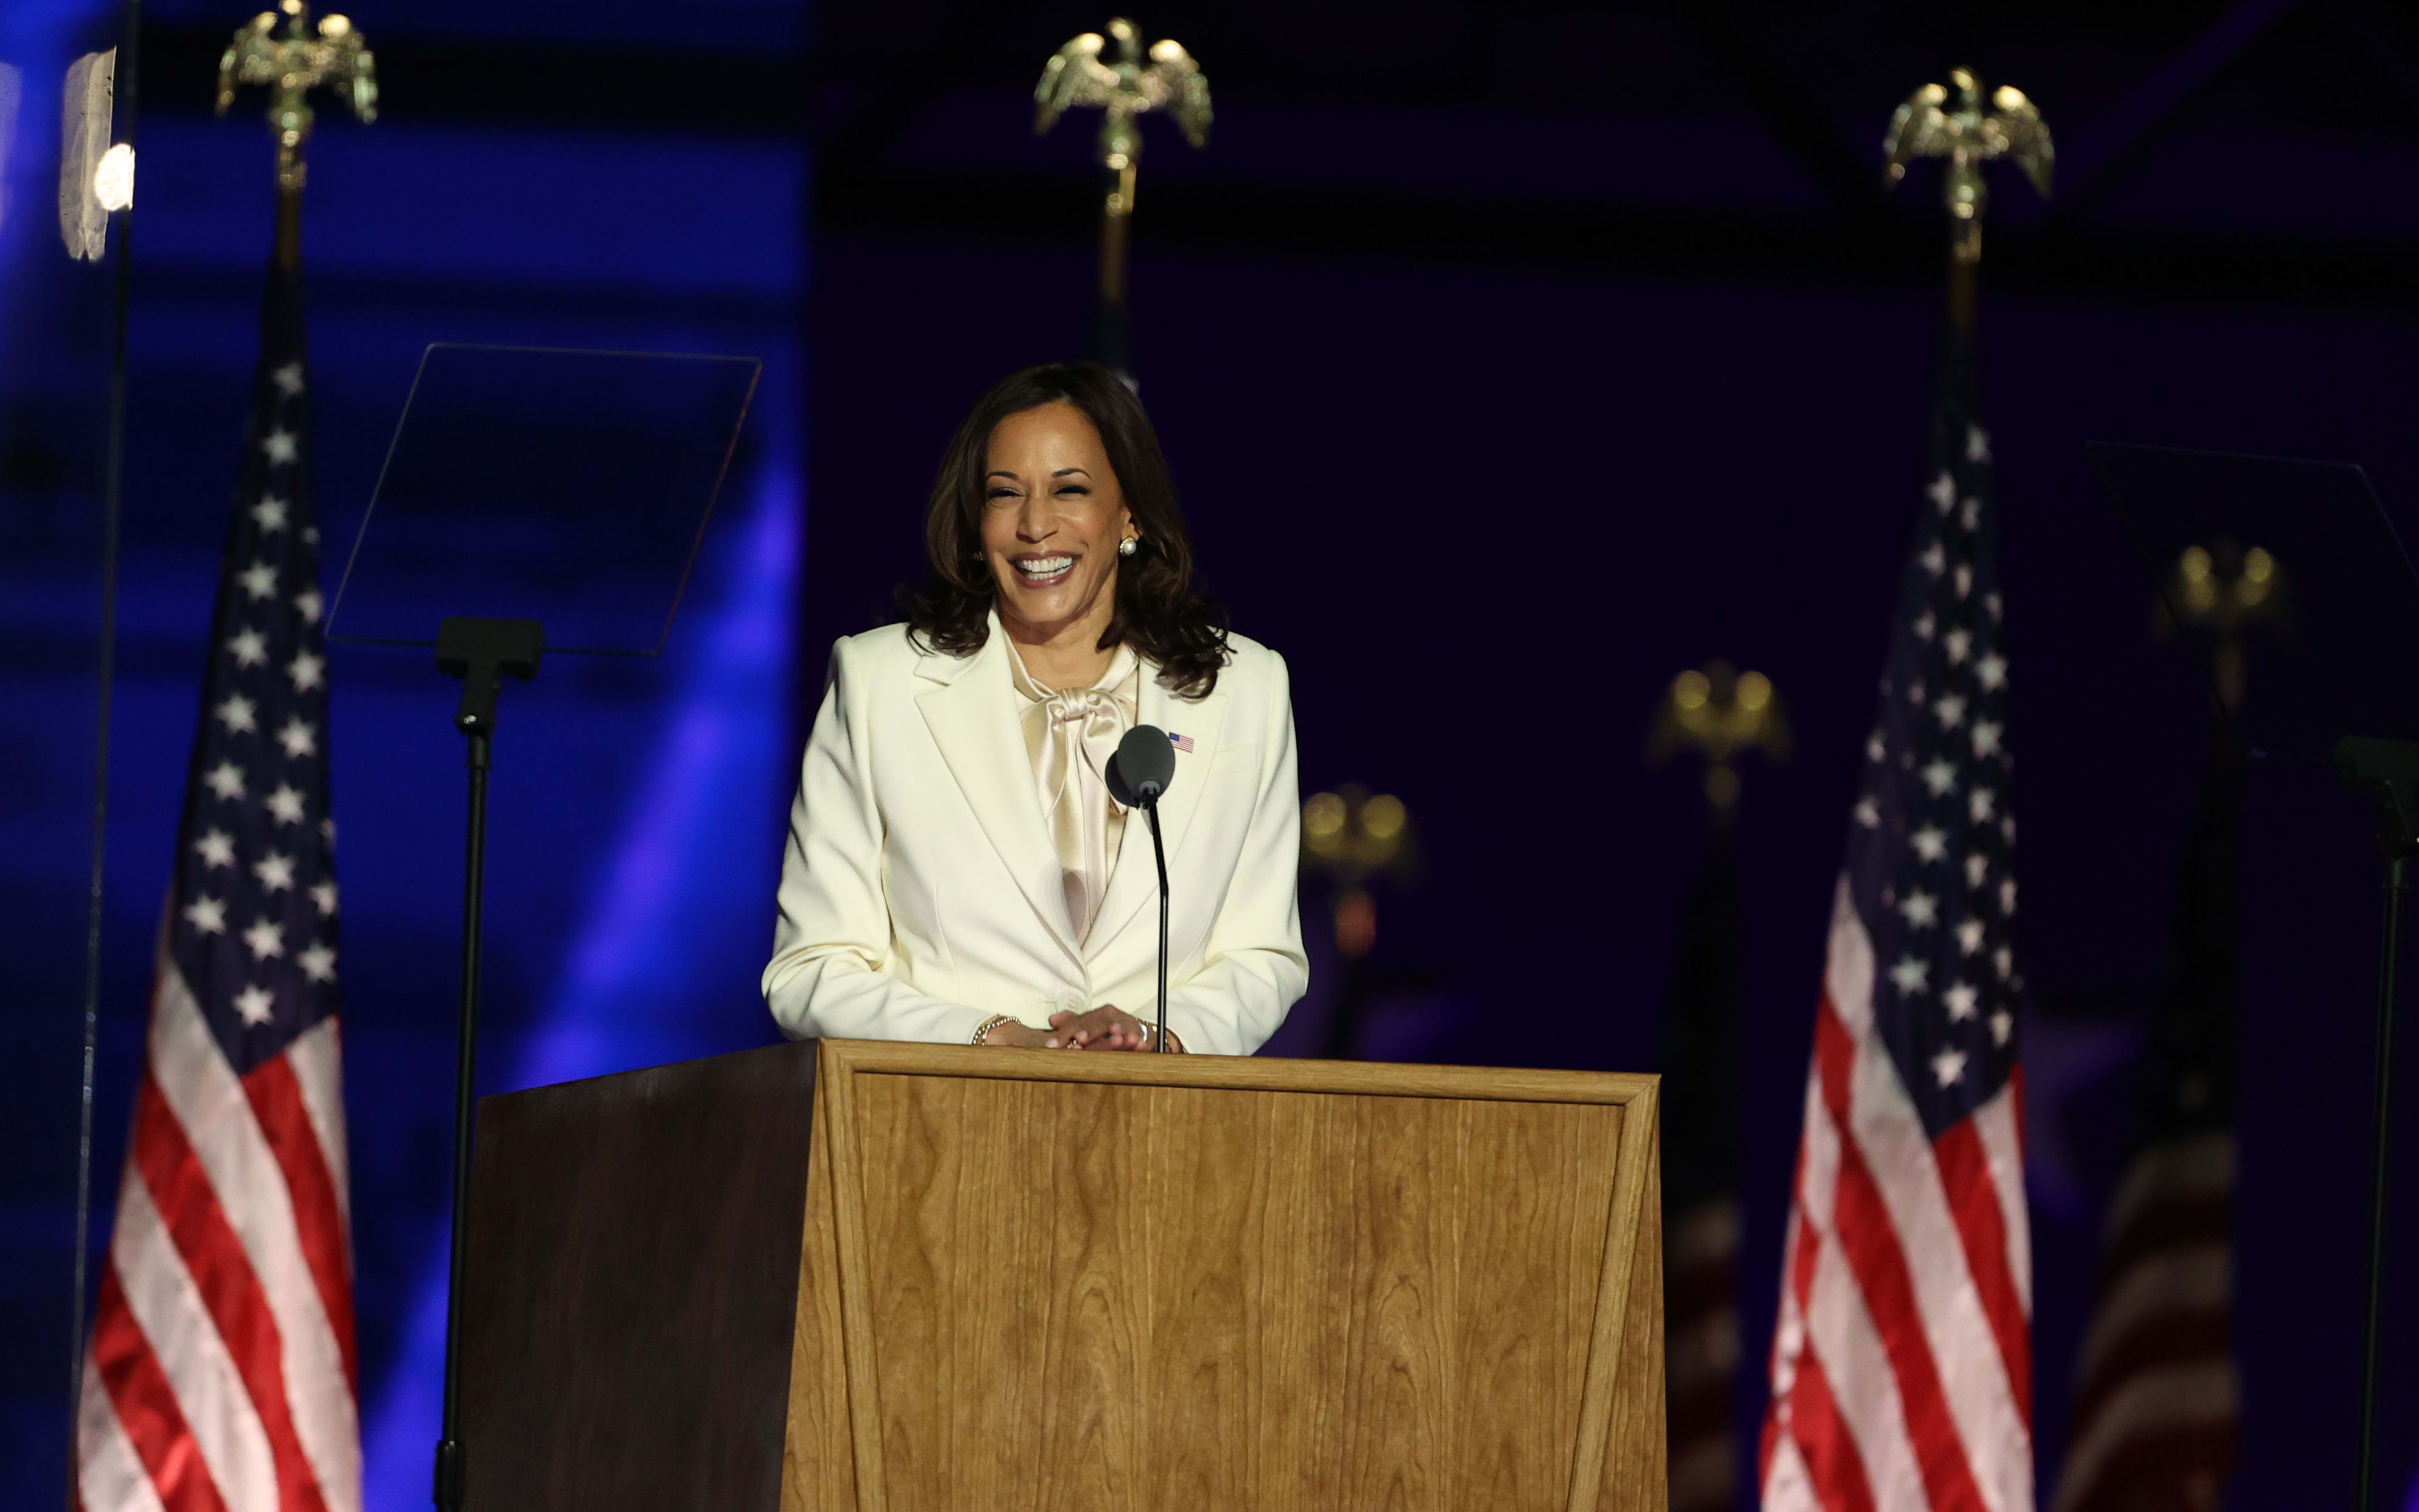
(1105, 1028)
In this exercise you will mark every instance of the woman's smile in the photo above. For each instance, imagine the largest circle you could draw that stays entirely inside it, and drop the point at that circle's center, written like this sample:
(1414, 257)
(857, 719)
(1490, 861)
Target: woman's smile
(1041, 571)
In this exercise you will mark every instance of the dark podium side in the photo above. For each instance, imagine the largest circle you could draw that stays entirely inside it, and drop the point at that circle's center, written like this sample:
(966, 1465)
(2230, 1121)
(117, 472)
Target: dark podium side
(847, 1275)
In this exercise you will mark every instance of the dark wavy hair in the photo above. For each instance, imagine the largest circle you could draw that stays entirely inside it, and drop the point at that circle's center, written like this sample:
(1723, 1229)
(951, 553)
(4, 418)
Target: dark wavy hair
(1158, 613)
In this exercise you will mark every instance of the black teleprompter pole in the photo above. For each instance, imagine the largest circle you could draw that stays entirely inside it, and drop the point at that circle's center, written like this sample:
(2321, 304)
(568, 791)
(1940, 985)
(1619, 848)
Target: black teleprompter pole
(481, 653)
(2388, 773)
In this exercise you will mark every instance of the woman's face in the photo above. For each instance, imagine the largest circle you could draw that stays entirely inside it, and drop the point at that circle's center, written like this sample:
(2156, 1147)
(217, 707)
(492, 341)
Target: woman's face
(1053, 516)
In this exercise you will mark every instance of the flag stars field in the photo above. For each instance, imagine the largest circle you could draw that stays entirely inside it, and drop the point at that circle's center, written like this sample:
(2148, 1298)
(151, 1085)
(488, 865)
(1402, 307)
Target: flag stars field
(227, 781)
(259, 581)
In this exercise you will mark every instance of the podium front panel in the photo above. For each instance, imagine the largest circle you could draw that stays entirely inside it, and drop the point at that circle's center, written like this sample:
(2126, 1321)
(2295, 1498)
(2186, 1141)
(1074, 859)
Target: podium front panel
(1213, 1283)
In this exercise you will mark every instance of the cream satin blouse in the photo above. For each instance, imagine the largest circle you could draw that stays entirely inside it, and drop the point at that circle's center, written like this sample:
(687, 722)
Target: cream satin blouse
(1070, 735)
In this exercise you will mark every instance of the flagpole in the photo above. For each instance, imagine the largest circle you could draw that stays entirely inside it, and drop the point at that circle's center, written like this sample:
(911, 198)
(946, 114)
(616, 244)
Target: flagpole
(1962, 283)
(288, 254)
(1117, 75)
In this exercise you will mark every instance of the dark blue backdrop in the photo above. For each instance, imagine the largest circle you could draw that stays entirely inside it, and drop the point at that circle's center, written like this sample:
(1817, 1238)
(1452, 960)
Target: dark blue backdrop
(1517, 394)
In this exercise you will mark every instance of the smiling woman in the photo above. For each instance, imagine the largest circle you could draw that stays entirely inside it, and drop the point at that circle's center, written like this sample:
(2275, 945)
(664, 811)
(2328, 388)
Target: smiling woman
(957, 868)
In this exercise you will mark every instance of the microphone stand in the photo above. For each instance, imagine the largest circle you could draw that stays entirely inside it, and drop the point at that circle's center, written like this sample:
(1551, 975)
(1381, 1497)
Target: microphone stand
(1159, 853)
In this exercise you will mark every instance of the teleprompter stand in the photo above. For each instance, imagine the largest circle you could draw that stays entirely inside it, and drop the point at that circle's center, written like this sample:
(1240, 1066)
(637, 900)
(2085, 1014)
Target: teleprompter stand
(525, 488)
(2337, 692)
(480, 653)
(2387, 772)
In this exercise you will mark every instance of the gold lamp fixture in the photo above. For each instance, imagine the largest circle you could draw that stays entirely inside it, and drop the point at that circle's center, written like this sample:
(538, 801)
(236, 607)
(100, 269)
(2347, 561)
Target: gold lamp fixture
(1350, 836)
(1720, 713)
(2228, 589)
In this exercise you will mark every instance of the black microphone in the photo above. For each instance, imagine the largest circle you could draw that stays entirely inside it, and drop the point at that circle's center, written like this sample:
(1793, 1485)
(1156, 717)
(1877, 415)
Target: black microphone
(1144, 766)
(1145, 763)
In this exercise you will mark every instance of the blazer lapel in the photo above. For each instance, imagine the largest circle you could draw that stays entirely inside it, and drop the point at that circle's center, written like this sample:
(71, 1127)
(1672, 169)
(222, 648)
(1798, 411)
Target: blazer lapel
(1135, 879)
(973, 718)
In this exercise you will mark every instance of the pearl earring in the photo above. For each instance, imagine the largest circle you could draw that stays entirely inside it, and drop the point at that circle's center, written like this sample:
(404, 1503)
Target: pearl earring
(1127, 547)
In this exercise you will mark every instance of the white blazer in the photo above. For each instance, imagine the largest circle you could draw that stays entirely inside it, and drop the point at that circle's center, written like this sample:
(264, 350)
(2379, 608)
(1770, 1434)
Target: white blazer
(920, 894)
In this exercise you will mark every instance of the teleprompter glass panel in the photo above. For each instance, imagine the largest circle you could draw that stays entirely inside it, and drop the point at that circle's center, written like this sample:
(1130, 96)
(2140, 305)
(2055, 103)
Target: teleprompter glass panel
(2300, 555)
(569, 487)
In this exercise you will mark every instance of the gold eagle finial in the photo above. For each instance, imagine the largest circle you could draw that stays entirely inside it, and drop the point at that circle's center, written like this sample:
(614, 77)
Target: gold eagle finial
(1124, 83)
(1952, 122)
(291, 65)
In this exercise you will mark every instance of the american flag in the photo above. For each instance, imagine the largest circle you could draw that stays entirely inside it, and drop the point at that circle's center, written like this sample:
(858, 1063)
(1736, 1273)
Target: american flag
(1902, 1365)
(220, 1374)
(2155, 1407)
(1701, 1209)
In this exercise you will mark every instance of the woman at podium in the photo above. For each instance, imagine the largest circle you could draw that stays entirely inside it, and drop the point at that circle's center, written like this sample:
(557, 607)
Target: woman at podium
(958, 867)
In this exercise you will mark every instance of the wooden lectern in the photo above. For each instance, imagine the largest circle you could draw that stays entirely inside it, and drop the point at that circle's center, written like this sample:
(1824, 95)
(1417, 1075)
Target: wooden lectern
(935, 1278)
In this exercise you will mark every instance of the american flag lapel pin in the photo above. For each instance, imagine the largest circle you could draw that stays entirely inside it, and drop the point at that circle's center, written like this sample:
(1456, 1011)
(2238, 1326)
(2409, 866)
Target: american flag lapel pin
(1182, 742)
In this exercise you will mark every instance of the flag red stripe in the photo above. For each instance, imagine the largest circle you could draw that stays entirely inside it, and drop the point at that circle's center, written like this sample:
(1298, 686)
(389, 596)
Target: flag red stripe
(1974, 1204)
(2163, 1470)
(1800, 1284)
(2162, 1222)
(145, 1404)
(1823, 1437)
(230, 1292)
(276, 1098)
(2158, 1341)
(1798, 1264)
(1877, 1260)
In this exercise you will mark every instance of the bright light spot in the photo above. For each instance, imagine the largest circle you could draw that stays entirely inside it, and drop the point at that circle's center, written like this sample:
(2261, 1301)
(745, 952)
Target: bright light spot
(1381, 817)
(2258, 565)
(113, 182)
(1323, 815)
(1690, 690)
(1754, 690)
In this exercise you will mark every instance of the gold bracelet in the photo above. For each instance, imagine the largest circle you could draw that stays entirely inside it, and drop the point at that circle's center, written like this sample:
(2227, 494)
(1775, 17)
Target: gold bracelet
(983, 1029)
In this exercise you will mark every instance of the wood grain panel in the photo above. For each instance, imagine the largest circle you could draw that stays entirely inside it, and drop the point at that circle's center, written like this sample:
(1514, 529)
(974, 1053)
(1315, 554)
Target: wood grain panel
(818, 1461)
(1637, 1473)
(634, 1260)
(1116, 1291)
